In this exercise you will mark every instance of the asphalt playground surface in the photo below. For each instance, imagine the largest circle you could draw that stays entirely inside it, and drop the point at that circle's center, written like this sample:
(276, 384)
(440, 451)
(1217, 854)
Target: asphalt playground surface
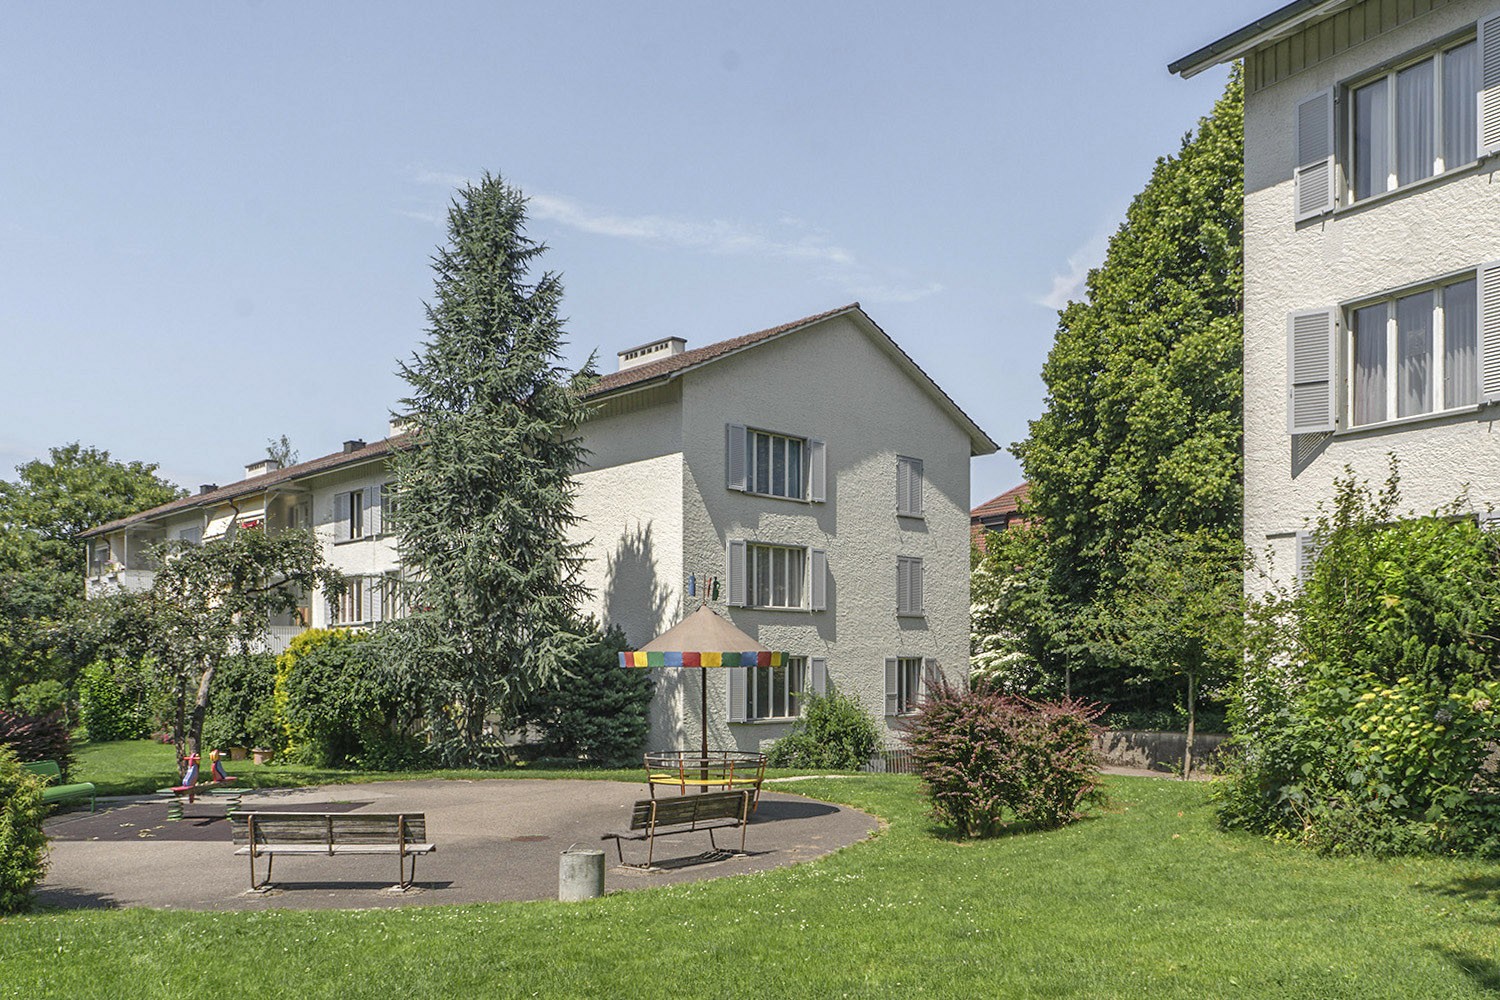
(496, 840)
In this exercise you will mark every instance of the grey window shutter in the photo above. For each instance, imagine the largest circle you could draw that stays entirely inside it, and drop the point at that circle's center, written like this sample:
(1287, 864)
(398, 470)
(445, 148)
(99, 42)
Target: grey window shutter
(1314, 189)
(892, 685)
(373, 510)
(914, 487)
(734, 456)
(818, 681)
(1307, 554)
(903, 585)
(738, 702)
(1310, 337)
(376, 611)
(367, 599)
(1489, 86)
(817, 471)
(1489, 329)
(341, 517)
(903, 485)
(734, 573)
(1489, 520)
(817, 562)
(914, 586)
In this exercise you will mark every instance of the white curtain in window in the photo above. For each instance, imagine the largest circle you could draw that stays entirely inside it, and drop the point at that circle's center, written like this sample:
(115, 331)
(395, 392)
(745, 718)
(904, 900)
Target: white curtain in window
(1414, 354)
(1414, 123)
(1371, 140)
(1460, 102)
(1369, 364)
(1460, 345)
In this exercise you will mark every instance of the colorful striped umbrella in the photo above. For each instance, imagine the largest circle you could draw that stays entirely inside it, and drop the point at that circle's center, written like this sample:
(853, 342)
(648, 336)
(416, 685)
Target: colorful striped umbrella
(703, 639)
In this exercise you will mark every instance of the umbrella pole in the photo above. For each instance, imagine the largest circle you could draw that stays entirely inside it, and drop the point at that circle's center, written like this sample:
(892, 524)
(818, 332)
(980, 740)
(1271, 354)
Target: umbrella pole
(703, 725)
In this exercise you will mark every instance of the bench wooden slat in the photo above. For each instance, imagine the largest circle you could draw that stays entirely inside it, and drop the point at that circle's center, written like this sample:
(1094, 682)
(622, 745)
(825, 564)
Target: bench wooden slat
(652, 818)
(268, 834)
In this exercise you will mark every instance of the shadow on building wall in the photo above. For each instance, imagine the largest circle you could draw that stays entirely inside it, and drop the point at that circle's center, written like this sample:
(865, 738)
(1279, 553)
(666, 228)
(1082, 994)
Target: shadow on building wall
(640, 602)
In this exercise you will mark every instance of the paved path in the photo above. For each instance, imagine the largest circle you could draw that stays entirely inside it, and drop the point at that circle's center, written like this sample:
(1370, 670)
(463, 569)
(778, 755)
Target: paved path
(497, 839)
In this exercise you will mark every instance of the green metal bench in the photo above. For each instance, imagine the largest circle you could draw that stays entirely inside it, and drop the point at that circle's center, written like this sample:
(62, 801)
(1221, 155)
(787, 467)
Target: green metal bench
(54, 792)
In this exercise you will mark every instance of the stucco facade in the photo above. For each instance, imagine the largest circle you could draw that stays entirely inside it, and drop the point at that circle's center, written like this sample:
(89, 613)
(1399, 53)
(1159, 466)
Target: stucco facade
(1369, 250)
(657, 509)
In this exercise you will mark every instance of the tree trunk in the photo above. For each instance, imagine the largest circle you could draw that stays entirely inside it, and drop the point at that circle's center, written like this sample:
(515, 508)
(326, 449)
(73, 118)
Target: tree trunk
(179, 725)
(200, 709)
(1187, 753)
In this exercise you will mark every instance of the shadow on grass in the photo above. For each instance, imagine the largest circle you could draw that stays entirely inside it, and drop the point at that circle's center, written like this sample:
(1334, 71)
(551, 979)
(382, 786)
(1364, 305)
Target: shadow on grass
(1482, 889)
(1482, 972)
(1015, 829)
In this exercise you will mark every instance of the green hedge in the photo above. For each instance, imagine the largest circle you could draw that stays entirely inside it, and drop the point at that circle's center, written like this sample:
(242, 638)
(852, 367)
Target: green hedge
(23, 846)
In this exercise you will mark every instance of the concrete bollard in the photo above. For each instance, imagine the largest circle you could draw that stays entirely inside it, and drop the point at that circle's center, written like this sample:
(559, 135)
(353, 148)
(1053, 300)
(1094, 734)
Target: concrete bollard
(580, 875)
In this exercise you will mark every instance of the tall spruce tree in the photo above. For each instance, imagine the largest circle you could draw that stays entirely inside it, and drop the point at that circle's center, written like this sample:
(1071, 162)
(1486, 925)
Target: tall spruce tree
(1141, 433)
(483, 502)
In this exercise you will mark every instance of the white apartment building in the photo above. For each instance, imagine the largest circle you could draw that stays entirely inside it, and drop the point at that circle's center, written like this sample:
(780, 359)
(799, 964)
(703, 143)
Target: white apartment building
(812, 470)
(1372, 236)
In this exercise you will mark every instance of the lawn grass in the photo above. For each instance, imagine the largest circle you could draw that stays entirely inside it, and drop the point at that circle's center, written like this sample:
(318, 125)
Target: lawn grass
(1145, 900)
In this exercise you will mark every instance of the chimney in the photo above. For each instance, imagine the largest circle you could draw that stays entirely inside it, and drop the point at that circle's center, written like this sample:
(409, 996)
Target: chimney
(260, 468)
(207, 488)
(398, 424)
(654, 351)
(353, 446)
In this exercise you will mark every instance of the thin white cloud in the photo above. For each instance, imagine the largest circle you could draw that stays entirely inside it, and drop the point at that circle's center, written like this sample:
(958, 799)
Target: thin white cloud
(1069, 286)
(789, 239)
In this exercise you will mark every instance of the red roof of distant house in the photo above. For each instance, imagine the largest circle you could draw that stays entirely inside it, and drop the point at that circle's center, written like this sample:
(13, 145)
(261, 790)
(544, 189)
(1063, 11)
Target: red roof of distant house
(997, 513)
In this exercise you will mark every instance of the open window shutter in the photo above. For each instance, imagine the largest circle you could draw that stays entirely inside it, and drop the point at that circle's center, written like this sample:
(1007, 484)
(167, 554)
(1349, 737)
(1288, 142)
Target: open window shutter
(1307, 555)
(1489, 86)
(903, 586)
(929, 671)
(817, 562)
(1313, 180)
(914, 586)
(1489, 330)
(1489, 520)
(903, 486)
(818, 667)
(817, 471)
(892, 684)
(737, 698)
(734, 573)
(914, 486)
(375, 610)
(734, 456)
(373, 510)
(1310, 337)
(341, 517)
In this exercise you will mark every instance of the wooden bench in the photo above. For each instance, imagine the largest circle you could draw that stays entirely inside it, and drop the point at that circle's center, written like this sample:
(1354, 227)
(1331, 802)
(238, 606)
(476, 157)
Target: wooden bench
(57, 792)
(704, 812)
(267, 834)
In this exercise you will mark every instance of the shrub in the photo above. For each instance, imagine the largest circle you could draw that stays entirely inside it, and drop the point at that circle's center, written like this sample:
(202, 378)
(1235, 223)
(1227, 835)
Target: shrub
(1369, 704)
(991, 761)
(33, 738)
(41, 698)
(338, 706)
(597, 712)
(242, 705)
(23, 846)
(112, 700)
(834, 732)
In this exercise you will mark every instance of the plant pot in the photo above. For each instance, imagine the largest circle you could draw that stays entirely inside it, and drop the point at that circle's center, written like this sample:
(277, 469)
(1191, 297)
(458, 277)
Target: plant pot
(238, 753)
(261, 755)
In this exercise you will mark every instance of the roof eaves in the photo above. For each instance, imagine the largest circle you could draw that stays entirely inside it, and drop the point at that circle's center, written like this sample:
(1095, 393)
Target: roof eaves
(1235, 44)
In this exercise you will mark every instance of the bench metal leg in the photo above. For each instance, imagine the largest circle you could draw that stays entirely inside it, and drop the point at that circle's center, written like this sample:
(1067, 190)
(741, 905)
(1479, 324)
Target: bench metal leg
(266, 882)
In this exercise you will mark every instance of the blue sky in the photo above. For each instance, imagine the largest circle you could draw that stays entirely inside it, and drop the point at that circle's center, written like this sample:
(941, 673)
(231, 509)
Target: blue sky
(216, 219)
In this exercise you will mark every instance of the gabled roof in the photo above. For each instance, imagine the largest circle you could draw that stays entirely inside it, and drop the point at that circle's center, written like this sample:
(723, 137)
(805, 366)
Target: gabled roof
(641, 376)
(1006, 503)
(677, 365)
(1275, 25)
(257, 484)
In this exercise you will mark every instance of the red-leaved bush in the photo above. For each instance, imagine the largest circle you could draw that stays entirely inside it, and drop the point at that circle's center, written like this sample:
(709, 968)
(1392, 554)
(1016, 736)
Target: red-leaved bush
(993, 761)
(42, 737)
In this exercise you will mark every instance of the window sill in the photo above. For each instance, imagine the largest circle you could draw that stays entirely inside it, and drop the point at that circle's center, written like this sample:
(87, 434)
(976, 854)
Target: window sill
(777, 496)
(769, 607)
(911, 614)
(1371, 201)
(919, 516)
(1403, 422)
(779, 720)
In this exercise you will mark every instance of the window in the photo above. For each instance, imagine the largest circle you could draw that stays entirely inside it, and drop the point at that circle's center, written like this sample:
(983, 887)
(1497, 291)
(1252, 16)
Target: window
(367, 599)
(776, 692)
(908, 585)
(356, 514)
(775, 465)
(387, 505)
(761, 575)
(776, 575)
(1399, 355)
(189, 536)
(98, 556)
(908, 486)
(903, 684)
(1414, 121)
(1414, 353)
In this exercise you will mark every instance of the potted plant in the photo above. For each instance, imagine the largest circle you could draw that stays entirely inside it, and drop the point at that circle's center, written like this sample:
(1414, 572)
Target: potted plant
(262, 755)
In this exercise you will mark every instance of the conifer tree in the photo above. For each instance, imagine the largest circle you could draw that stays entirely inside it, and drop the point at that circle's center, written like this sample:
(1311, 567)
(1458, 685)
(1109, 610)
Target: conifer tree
(483, 502)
